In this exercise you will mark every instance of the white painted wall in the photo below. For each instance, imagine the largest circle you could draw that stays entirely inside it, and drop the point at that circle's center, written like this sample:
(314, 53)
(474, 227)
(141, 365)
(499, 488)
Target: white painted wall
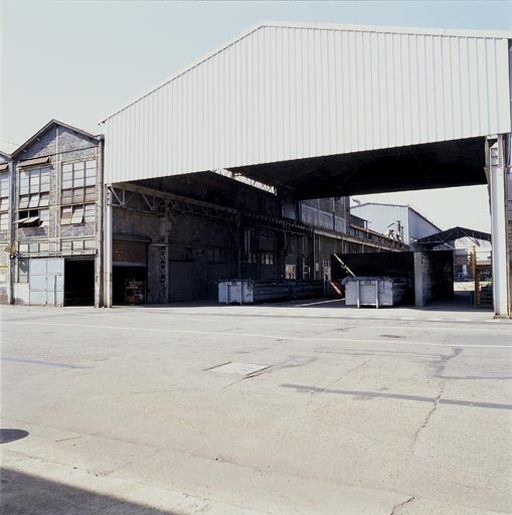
(382, 217)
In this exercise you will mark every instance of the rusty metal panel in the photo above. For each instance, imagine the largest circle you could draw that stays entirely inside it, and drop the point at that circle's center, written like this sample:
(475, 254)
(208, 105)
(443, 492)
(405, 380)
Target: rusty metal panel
(289, 91)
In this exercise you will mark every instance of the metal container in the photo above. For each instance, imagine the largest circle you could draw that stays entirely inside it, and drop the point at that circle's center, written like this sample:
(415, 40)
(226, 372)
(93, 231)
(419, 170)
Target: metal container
(236, 292)
(374, 291)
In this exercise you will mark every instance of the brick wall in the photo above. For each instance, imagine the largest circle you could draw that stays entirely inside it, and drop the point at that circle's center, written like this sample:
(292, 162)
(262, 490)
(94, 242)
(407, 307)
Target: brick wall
(61, 145)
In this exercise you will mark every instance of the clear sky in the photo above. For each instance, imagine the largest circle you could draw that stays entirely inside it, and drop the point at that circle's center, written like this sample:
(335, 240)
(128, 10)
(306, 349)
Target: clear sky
(77, 61)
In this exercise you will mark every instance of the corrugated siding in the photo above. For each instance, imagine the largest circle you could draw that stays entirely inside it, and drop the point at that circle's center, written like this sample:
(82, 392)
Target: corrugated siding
(380, 216)
(282, 93)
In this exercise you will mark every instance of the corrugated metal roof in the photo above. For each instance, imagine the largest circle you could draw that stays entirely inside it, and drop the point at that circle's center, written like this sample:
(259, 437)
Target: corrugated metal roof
(285, 91)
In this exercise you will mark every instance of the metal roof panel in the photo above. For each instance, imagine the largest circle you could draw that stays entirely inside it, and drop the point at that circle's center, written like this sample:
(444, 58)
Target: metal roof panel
(282, 92)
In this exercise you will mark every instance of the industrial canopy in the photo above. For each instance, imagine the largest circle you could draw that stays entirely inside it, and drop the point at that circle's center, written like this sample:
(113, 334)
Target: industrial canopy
(324, 110)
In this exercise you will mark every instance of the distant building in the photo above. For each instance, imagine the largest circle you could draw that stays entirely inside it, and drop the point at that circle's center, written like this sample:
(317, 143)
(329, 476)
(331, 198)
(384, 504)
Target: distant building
(471, 247)
(398, 221)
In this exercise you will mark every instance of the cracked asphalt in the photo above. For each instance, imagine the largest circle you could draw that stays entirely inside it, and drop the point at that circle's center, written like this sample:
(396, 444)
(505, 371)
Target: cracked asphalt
(367, 412)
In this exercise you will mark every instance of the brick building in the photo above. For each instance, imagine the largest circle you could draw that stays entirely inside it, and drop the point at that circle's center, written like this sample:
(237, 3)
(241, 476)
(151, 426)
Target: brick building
(171, 239)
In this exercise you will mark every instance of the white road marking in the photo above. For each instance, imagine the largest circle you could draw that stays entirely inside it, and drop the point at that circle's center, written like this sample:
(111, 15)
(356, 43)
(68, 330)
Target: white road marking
(269, 336)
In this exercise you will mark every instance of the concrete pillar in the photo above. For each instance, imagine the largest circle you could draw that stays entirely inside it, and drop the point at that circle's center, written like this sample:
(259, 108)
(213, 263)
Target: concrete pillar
(422, 285)
(108, 249)
(500, 268)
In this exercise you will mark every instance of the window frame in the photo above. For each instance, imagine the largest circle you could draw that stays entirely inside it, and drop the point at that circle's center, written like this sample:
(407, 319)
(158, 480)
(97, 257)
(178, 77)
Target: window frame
(78, 214)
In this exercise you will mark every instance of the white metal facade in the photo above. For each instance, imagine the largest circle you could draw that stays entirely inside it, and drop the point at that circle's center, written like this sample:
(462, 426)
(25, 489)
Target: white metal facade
(404, 220)
(291, 91)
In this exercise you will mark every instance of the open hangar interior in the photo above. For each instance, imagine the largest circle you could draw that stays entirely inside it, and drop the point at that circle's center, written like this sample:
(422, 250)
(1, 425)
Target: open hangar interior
(311, 111)
(197, 229)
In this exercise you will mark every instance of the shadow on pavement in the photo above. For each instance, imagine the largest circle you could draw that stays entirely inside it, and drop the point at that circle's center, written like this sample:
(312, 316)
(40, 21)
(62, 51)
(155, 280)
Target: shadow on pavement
(11, 435)
(369, 395)
(460, 301)
(23, 494)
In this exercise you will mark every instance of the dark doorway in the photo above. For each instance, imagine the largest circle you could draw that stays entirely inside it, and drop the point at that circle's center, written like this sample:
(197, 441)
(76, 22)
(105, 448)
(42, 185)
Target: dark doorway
(129, 284)
(79, 282)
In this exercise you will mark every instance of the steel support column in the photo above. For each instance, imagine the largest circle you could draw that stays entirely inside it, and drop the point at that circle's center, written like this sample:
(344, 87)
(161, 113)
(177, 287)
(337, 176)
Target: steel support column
(108, 244)
(163, 259)
(498, 192)
(99, 261)
(13, 250)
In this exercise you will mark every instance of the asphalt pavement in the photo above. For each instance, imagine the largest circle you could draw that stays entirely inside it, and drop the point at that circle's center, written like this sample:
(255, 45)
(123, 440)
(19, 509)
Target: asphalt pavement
(303, 408)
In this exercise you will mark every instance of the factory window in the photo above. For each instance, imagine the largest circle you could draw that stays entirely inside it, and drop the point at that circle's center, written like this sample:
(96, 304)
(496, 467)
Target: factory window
(4, 201)
(34, 188)
(77, 214)
(4, 185)
(250, 258)
(78, 182)
(216, 255)
(23, 269)
(35, 180)
(77, 245)
(78, 175)
(4, 221)
(251, 240)
(34, 200)
(267, 259)
(33, 217)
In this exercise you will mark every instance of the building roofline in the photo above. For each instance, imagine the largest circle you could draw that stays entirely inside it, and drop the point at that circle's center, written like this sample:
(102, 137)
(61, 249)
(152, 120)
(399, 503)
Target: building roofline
(52, 122)
(499, 34)
(184, 70)
(407, 206)
(380, 204)
(453, 234)
(313, 26)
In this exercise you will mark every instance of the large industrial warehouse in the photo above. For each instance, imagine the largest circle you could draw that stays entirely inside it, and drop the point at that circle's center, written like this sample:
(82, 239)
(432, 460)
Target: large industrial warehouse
(323, 111)
(241, 165)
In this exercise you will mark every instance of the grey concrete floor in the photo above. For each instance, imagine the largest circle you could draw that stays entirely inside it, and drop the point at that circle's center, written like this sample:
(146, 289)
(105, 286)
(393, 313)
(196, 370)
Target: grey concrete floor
(129, 411)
